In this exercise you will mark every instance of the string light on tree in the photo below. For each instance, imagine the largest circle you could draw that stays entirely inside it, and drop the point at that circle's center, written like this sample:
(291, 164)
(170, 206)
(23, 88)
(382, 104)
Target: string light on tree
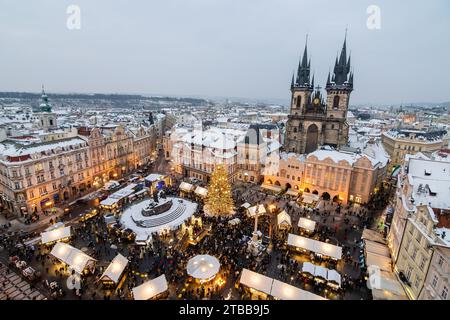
(219, 200)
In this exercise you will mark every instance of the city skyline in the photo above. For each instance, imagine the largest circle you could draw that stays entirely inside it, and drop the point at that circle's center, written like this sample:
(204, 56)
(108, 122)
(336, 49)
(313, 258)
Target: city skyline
(175, 49)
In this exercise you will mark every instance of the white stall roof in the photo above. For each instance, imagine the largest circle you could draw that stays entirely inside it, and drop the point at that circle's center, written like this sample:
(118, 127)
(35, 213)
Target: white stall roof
(256, 281)
(246, 205)
(151, 288)
(55, 226)
(308, 267)
(252, 210)
(55, 235)
(284, 218)
(154, 177)
(115, 269)
(271, 187)
(377, 248)
(307, 224)
(73, 257)
(382, 262)
(292, 192)
(320, 272)
(334, 276)
(284, 291)
(109, 202)
(301, 242)
(201, 191)
(319, 247)
(186, 186)
(309, 198)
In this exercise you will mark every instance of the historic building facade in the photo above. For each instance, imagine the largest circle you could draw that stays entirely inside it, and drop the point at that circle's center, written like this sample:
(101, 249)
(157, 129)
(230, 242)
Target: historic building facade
(315, 120)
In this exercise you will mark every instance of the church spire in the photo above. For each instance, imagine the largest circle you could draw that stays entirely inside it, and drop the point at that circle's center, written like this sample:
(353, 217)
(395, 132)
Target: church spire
(341, 68)
(304, 70)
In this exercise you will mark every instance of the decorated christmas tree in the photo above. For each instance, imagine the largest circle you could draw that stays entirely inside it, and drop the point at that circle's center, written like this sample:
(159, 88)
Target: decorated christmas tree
(219, 200)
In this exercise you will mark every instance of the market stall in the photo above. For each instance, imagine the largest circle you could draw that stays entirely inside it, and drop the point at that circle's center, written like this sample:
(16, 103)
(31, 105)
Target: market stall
(307, 224)
(186, 187)
(255, 281)
(318, 247)
(114, 273)
(74, 258)
(203, 267)
(55, 235)
(201, 192)
(252, 210)
(283, 291)
(151, 289)
(271, 187)
(284, 220)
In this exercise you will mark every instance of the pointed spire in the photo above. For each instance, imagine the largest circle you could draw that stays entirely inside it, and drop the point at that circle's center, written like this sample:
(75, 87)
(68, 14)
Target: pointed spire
(292, 82)
(304, 67)
(328, 78)
(312, 82)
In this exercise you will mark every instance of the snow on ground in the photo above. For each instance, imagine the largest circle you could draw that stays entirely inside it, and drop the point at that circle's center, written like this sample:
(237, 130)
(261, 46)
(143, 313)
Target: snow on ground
(135, 212)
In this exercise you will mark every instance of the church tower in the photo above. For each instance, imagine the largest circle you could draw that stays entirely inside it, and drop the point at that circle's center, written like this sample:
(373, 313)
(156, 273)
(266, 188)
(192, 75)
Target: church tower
(46, 118)
(301, 91)
(338, 88)
(313, 120)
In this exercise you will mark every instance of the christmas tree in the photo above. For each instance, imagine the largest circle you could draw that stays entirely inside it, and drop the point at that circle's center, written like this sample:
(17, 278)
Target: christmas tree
(219, 200)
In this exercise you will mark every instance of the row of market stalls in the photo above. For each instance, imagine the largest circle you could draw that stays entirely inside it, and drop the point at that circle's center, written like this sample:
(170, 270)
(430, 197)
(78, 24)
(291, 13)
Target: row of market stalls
(263, 286)
(317, 247)
(304, 197)
(322, 274)
(187, 188)
(377, 259)
(115, 200)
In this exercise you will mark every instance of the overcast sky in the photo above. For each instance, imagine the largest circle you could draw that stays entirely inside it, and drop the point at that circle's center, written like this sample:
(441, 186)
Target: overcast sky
(237, 48)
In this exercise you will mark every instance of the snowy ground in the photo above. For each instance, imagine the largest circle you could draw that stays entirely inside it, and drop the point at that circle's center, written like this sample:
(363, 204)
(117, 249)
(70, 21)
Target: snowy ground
(135, 212)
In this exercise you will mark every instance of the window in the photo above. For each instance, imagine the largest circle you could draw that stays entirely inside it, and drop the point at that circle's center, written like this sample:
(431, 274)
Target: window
(336, 102)
(422, 263)
(441, 260)
(434, 281)
(444, 293)
(299, 101)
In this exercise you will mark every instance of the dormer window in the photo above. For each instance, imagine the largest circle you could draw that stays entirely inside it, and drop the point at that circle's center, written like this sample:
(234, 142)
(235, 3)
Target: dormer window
(427, 172)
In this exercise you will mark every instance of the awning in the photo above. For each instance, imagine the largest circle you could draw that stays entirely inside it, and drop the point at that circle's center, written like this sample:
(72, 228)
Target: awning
(115, 269)
(151, 288)
(256, 281)
(73, 257)
(55, 235)
(385, 286)
(252, 210)
(307, 224)
(284, 219)
(309, 198)
(271, 187)
(382, 262)
(186, 186)
(201, 191)
(315, 246)
(292, 192)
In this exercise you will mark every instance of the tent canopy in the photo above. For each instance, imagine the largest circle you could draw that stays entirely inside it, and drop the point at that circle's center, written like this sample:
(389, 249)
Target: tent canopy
(73, 257)
(284, 291)
(252, 210)
(151, 288)
(187, 187)
(271, 187)
(284, 219)
(201, 191)
(154, 177)
(246, 205)
(308, 267)
(115, 269)
(309, 198)
(334, 276)
(256, 281)
(203, 267)
(55, 235)
(307, 224)
(315, 246)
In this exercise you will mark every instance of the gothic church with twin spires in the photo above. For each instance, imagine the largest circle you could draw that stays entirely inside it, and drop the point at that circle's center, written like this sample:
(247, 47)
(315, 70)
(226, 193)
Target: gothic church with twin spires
(315, 120)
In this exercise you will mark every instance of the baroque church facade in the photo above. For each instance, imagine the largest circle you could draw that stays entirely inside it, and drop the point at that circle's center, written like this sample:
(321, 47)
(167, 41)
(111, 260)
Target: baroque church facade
(315, 120)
